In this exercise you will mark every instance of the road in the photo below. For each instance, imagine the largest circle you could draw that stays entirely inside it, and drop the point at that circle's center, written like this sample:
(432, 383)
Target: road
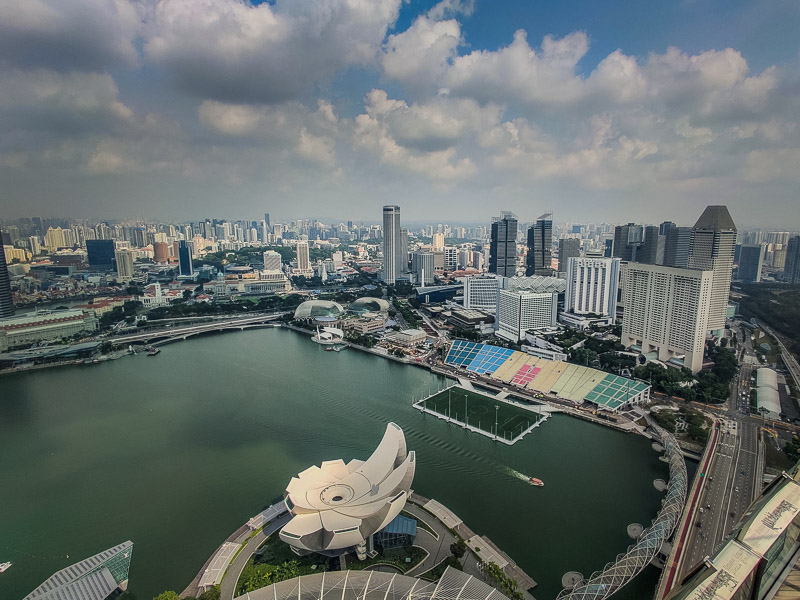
(175, 332)
(732, 481)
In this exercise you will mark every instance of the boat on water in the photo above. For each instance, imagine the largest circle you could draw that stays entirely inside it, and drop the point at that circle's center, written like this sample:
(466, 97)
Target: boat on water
(4, 566)
(536, 481)
(152, 351)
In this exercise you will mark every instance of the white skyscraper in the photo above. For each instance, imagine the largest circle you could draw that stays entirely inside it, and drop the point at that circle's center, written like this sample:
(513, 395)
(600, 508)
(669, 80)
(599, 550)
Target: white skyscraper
(480, 292)
(667, 312)
(392, 243)
(592, 285)
(272, 261)
(712, 248)
(521, 311)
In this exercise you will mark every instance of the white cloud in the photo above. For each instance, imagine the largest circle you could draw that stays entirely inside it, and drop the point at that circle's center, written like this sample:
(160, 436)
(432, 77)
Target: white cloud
(234, 51)
(419, 56)
(449, 8)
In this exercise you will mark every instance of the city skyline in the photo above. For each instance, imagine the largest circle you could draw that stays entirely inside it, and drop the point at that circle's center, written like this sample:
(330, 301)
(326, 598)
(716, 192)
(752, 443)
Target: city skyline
(141, 108)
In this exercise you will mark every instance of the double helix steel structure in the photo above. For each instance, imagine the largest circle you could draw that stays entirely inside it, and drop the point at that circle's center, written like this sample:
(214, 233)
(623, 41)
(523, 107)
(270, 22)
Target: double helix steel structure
(628, 565)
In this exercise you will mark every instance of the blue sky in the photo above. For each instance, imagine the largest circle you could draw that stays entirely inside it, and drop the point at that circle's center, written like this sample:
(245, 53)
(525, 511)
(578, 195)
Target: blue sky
(603, 111)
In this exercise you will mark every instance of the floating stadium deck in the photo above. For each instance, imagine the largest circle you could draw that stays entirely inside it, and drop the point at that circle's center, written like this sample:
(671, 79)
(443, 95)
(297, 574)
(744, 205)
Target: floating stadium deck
(563, 380)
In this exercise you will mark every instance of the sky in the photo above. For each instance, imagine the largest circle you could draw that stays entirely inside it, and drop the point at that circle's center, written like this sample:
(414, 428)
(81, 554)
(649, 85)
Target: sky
(455, 110)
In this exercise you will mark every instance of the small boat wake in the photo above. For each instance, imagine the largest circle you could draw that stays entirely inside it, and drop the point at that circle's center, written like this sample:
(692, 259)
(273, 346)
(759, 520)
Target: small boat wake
(526, 478)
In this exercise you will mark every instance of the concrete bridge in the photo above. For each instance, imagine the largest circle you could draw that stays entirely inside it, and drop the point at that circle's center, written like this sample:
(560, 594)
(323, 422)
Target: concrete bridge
(172, 334)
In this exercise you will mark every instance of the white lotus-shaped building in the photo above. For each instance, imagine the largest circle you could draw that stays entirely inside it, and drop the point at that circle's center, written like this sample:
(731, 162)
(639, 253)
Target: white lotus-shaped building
(337, 506)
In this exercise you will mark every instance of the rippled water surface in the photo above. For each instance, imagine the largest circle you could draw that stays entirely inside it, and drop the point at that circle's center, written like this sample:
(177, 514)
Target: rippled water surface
(176, 451)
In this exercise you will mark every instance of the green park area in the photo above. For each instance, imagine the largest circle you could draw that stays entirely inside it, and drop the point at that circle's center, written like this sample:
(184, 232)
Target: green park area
(486, 413)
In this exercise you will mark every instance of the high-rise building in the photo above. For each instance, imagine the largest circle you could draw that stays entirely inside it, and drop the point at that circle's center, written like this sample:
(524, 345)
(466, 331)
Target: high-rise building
(567, 248)
(652, 248)
(391, 244)
(267, 221)
(272, 261)
(503, 245)
(677, 242)
(124, 262)
(592, 286)
(303, 259)
(713, 243)
(627, 241)
(751, 260)
(438, 241)
(480, 292)
(519, 311)
(100, 254)
(667, 312)
(422, 267)
(540, 242)
(6, 303)
(160, 252)
(791, 269)
(185, 258)
(402, 256)
(666, 227)
(54, 239)
(97, 578)
(34, 245)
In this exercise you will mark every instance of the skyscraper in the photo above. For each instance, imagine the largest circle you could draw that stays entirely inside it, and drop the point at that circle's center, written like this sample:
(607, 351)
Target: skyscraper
(652, 249)
(422, 267)
(402, 256)
(503, 245)
(567, 248)
(124, 261)
(438, 241)
(272, 261)
(791, 270)
(713, 243)
(185, 258)
(391, 243)
(751, 260)
(540, 241)
(303, 260)
(101, 254)
(667, 312)
(592, 285)
(627, 240)
(267, 221)
(677, 242)
(6, 304)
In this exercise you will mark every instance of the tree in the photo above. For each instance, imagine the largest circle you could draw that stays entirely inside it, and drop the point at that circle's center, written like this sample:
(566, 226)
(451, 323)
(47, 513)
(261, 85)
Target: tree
(169, 595)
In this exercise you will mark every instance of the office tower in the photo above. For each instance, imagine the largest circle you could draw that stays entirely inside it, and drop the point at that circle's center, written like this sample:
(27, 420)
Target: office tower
(567, 248)
(751, 260)
(185, 258)
(391, 243)
(267, 221)
(6, 304)
(101, 254)
(503, 245)
(272, 261)
(422, 266)
(652, 248)
(667, 312)
(713, 241)
(592, 286)
(464, 258)
(666, 227)
(99, 577)
(124, 262)
(627, 241)
(608, 248)
(438, 241)
(540, 241)
(160, 252)
(519, 311)
(34, 245)
(677, 242)
(480, 292)
(402, 256)
(450, 258)
(303, 260)
(791, 270)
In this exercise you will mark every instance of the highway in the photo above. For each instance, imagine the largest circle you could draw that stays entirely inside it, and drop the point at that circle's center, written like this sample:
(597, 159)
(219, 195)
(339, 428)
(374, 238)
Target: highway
(183, 332)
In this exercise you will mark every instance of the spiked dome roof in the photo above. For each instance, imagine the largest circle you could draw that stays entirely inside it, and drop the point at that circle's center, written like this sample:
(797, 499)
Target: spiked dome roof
(337, 505)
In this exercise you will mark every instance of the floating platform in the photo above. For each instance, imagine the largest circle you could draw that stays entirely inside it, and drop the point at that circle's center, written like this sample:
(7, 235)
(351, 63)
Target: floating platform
(496, 417)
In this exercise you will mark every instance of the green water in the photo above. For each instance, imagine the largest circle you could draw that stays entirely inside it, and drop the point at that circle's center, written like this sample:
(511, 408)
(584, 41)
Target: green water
(176, 451)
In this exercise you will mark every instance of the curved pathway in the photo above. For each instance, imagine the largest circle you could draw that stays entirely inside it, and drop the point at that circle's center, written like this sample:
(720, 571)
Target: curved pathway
(228, 585)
